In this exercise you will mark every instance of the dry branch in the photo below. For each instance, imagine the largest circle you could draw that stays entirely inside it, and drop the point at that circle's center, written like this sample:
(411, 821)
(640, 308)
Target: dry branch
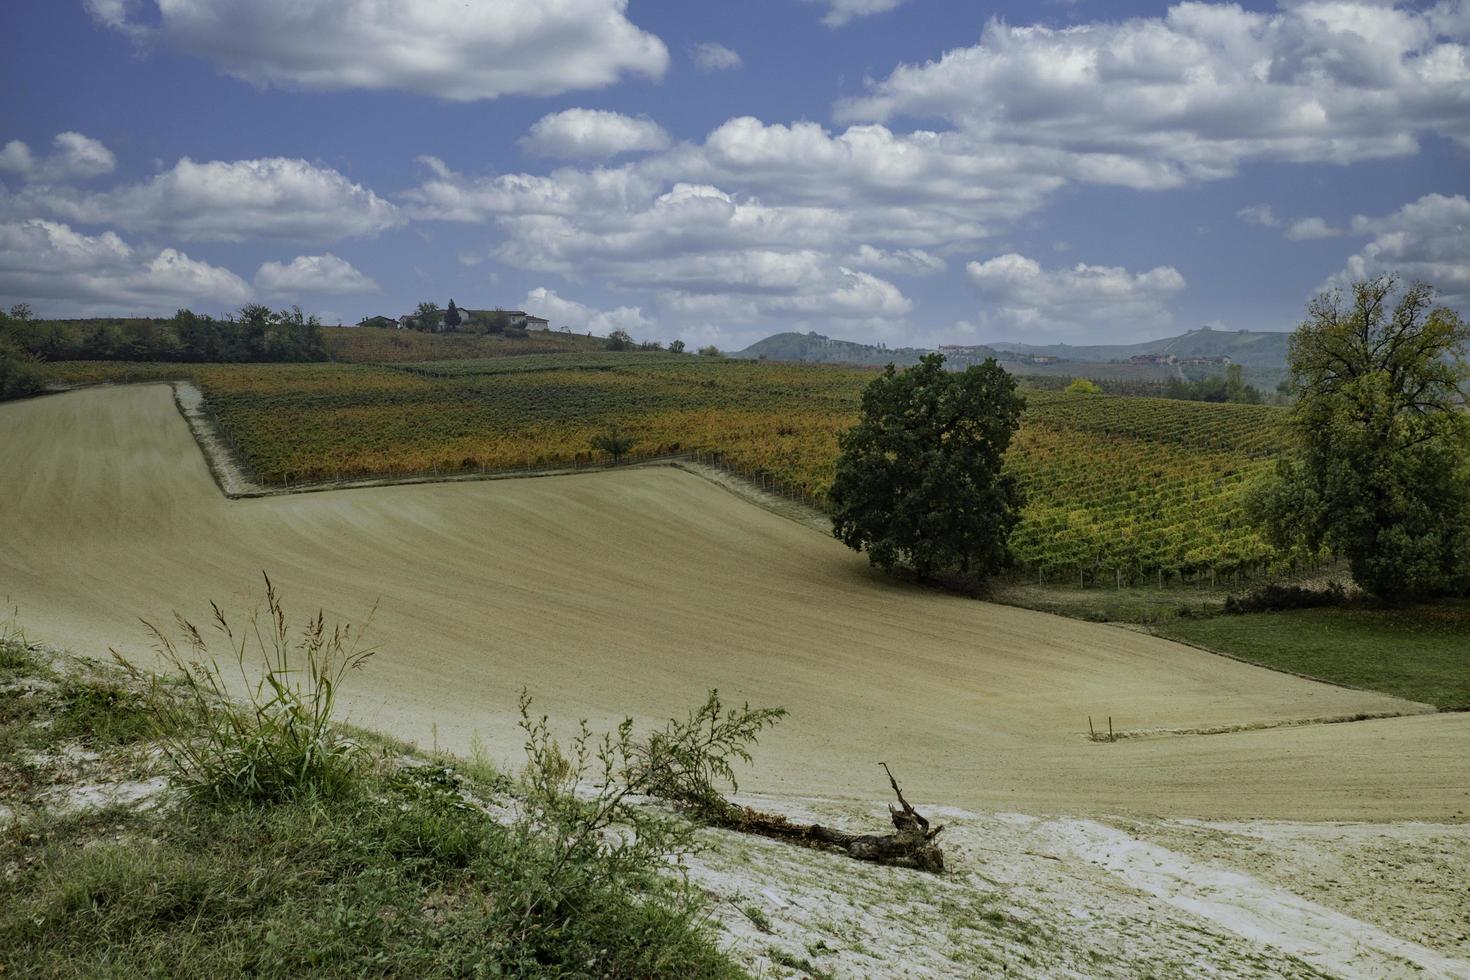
(910, 846)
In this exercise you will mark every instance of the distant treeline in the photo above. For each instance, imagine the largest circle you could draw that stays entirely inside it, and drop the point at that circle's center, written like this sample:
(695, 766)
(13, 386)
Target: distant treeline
(253, 334)
(1229, 387)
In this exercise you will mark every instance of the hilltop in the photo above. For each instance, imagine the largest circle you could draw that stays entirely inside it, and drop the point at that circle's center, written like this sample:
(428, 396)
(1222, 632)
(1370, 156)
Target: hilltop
(814, 348)
(1249, 348)
(1192, 355)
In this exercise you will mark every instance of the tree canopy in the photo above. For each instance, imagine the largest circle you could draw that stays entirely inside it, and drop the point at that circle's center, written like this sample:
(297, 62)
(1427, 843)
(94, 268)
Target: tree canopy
(920, 481)
(1381, 471)
(254, 333)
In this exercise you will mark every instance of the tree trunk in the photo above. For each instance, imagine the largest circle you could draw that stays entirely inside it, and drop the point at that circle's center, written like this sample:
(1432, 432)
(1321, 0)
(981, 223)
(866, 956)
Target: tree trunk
(911, 846)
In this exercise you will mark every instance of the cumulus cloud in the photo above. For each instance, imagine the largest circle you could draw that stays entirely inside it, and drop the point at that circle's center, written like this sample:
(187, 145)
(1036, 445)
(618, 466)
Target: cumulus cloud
(710, 56)
(313, 274)
(73, 156)
(1258, 214)
(564, 312)
(275, 198)
(575, 133)
(444, 48)
(706, 251)
(47, 260)
(840, 12)
(1191, 95)
(906, 261)
(1427, 239)
(1027, 297)
(1307, 229)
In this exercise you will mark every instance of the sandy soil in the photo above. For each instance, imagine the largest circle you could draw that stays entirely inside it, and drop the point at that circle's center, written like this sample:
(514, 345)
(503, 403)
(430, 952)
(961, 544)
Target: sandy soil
(633, 592)
(1070, 897)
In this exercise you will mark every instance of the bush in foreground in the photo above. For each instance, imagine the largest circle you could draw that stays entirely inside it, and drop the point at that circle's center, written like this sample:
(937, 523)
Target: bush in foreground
(288, 855)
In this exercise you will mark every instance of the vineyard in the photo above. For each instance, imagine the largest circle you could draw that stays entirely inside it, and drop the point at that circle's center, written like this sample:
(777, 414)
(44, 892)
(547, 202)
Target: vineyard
(1119, 489)
(363, 345)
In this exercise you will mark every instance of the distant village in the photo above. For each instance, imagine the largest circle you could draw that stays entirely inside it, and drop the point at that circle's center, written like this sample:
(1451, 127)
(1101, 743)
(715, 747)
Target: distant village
(431, 319)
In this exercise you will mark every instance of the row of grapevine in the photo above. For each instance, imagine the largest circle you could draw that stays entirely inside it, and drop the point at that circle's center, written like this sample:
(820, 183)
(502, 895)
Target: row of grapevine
(1118, 488)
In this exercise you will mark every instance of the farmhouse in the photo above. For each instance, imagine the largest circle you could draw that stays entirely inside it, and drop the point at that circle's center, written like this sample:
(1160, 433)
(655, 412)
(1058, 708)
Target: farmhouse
(384, 322)
(469, 318)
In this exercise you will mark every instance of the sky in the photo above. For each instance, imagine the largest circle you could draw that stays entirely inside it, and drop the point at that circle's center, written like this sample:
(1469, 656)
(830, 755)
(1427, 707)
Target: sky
(910, 172)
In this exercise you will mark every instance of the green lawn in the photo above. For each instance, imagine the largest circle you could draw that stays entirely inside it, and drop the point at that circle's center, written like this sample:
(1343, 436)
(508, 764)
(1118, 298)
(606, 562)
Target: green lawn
(1421, 652)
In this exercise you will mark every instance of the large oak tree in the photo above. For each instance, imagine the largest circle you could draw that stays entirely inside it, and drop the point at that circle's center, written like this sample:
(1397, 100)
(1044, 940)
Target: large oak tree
(920, 481)
(1381, 469)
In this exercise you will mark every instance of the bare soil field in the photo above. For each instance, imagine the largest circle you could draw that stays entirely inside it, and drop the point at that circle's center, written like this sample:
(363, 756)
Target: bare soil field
(632, 592)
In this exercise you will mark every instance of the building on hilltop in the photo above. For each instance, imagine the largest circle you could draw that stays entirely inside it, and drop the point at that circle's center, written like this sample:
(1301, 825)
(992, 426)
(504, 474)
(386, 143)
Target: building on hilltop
(475, 321)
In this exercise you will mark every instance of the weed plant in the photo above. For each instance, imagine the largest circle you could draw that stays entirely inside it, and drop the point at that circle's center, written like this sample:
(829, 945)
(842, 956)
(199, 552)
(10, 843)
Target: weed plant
(296, 852)
(264, 733)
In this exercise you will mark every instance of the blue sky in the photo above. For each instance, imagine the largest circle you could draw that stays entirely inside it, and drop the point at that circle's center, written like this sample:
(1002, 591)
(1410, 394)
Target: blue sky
(904, 171)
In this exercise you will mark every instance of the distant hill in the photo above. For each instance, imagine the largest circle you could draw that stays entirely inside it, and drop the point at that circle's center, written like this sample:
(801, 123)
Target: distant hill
(814, 348)
(1249, 348)
(1195, 354)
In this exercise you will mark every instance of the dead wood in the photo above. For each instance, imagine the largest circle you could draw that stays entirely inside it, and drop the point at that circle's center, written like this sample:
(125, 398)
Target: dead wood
(910, 846)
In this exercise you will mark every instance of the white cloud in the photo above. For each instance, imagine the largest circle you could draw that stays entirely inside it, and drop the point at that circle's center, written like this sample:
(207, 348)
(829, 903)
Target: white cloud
(17, 158)
(575, 133)
(840, 12)
(710, 56)
(1259, 214)
(1027, 297)
(444, 48)
(313, 274)
(1427, 239)
(44, 260)
(563, 312)
(227, 201)
(906, 261)
(1308, 229)
(1157, 102)
(73, 156)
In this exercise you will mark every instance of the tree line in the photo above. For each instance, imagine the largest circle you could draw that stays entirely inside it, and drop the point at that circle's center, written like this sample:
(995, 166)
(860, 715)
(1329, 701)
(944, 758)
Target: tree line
(1227, 388)
(254, 333)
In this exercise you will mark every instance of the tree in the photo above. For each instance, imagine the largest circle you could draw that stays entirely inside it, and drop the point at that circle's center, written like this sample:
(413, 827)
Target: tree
(1083, 386)
(614, 443)
(676, 347)
(710, 351)
(619, 340)
(920, 480)
(427, 316)
(452, 319)
(1381, 468)
(20, 374)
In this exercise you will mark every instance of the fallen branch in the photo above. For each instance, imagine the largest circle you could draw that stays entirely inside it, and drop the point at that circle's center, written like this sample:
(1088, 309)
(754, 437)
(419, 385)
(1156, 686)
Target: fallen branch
(910, 846)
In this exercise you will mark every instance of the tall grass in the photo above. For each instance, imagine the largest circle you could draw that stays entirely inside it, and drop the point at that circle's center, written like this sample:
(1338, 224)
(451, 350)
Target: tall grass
(259, 728)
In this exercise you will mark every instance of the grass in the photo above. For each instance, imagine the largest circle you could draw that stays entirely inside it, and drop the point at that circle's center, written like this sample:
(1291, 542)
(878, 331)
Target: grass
(1419, 652)
(1140, 605)
(397, 865)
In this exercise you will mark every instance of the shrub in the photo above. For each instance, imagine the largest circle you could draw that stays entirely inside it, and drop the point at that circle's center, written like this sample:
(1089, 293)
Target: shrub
(1274, 598)
(1082, 386)
(579, 854)
(614, 443)
(281, 742)
(20, 373)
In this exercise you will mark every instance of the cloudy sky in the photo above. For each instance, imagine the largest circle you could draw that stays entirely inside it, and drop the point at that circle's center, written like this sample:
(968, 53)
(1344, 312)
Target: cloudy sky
(904, 171)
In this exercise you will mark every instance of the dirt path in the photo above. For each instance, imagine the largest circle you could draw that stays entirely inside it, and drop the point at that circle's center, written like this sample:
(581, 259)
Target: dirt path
(634, 591)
